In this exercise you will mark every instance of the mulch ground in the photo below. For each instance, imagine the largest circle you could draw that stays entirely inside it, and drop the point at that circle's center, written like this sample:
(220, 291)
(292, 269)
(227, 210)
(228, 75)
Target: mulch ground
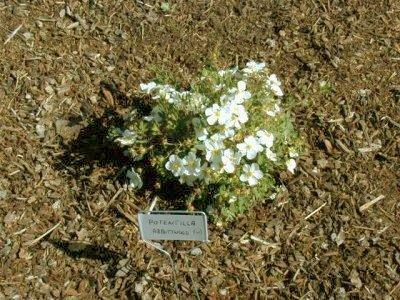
(72, 68)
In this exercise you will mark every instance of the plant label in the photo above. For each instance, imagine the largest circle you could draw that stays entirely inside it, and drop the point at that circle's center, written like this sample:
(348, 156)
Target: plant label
(173, 225)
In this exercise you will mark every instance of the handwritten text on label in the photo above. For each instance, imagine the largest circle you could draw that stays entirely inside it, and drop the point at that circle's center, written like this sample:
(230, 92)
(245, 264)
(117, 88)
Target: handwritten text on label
(173, 225)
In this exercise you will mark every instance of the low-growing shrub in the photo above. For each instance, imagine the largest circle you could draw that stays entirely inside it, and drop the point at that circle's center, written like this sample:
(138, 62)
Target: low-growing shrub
(226, 138)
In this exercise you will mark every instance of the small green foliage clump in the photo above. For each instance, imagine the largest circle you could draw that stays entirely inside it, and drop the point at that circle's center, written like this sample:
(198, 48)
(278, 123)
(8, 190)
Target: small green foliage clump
(225, 138)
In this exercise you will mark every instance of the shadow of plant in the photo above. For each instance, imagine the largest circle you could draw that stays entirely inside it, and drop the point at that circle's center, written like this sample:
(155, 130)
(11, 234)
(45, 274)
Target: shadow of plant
(83, 250)
(92, 150)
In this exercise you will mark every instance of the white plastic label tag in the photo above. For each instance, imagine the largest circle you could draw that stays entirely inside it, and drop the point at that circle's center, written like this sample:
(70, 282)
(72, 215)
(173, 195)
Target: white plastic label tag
(173, 225)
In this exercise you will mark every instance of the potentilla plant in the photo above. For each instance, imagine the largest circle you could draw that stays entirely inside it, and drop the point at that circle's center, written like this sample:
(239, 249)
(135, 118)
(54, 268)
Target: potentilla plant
(226, 138)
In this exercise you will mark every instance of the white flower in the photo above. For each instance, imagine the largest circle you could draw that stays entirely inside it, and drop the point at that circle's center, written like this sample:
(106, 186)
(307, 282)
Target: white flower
(148, 87)
(253, 67)
(241, 93)
(274, 85)
(251, 174)
(215, 114)
(250, 147)
(134, 179)
(270, 154)
(128, 138)
(217, 137)
(236, 115)
(291, 165)
(192, 101)
(201, 134)
(175, 165)
(213, 148)
(293, 153)
(192, 165)
(241, 86)
(154, 115)
(274, 111)
(229, 160)
(168, 93)
(265, 138)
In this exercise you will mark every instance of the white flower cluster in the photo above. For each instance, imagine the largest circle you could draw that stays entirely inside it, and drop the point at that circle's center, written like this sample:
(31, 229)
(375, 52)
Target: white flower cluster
(231, 119)
(191, 101)
(225, 119)
(221, 158)
(188, 169)
(227, 136)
